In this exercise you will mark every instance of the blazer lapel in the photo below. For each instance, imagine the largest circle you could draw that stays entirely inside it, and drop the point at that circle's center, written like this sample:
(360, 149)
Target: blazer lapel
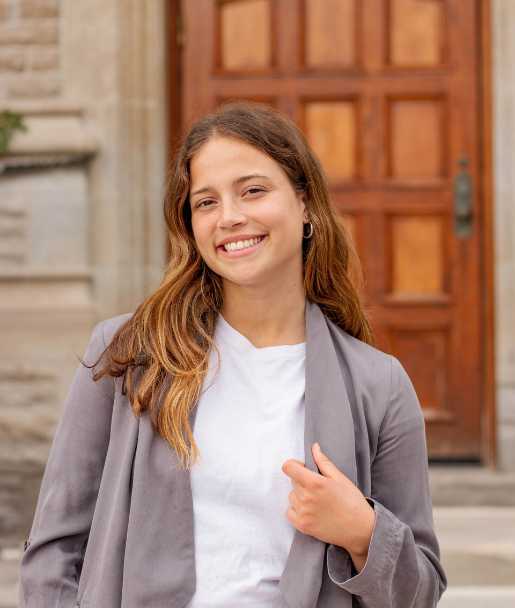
(328, 420)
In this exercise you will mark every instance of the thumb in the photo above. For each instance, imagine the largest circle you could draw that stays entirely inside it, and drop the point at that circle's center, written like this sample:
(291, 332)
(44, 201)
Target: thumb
(325, 465)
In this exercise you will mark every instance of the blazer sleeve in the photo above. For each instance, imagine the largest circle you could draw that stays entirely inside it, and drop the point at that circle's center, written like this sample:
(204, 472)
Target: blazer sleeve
(52, 560)
(403, 567)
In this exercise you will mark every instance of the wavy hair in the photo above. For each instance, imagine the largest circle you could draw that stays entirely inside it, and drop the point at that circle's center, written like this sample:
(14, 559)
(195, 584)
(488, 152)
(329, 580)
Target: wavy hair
(170, 334)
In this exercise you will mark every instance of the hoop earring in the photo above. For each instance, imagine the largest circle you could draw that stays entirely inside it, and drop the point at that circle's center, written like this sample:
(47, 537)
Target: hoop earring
(307, 236)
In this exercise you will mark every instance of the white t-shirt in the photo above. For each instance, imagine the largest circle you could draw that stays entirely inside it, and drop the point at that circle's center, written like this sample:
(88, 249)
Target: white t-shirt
(250, 420)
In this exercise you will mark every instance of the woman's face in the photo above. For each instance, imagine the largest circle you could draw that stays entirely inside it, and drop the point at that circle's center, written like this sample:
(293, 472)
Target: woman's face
(239, 193)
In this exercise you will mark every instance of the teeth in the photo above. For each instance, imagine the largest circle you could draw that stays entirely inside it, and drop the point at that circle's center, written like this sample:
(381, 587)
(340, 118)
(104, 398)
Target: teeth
(234, 246)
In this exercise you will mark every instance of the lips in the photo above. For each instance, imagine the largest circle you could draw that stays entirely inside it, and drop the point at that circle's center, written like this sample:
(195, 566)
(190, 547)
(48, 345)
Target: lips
(260, 236)
(236, 253)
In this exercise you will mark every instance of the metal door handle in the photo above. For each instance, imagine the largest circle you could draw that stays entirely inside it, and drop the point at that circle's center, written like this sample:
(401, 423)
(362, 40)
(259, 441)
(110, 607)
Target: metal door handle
(463, 215)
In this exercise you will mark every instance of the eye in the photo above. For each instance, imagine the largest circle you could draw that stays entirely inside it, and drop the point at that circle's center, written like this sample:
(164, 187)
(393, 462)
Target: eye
(255, 189)
(201, 203)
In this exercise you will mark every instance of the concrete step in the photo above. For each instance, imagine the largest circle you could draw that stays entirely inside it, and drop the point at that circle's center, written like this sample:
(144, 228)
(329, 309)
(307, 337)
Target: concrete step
(477, 550)
(9, 571)
(477, 545)
(478, 597)
(467, 485)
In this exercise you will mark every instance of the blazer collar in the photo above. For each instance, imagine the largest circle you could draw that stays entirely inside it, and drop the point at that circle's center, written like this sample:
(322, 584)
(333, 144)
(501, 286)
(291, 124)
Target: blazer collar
(328, 420)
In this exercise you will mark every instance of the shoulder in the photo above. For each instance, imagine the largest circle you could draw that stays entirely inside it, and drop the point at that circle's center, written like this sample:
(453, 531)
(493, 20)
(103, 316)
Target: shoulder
(363, 358)
(381, 375)
(376, 376)
(105, 329)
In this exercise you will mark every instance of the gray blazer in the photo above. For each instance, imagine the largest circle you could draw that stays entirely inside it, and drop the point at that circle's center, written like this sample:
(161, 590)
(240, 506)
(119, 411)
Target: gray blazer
(113, 525)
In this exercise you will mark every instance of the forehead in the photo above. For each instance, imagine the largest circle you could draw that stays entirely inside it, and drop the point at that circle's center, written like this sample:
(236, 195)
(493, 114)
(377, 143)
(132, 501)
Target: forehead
(226, 158)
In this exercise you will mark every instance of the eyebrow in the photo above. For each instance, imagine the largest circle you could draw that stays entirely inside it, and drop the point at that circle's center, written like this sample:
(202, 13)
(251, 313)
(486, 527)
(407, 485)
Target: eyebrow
(239, 180)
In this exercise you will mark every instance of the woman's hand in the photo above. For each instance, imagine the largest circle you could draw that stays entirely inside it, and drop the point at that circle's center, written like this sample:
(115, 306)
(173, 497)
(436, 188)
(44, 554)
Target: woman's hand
(329, 506)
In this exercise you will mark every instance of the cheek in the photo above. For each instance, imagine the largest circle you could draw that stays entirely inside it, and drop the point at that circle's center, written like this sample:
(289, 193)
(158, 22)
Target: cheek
(279, 216)
(288, 223)
(285, 211)
(201, 234)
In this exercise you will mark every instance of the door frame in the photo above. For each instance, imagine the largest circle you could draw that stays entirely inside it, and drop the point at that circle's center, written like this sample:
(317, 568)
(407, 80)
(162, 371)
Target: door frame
(489, 418)
(175, 36)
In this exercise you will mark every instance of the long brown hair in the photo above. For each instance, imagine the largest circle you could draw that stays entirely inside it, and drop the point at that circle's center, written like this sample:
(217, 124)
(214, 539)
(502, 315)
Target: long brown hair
(170, 333)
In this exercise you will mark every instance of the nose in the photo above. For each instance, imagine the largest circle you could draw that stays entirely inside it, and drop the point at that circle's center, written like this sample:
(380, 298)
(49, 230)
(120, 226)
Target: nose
(230, 213)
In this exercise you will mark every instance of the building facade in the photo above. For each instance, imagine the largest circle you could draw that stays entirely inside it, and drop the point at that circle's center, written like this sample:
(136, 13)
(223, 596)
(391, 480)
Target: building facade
(100, 87)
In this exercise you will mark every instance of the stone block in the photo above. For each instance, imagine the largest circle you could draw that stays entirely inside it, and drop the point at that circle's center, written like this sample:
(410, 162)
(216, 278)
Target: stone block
(12, 60)
(506, 447)
(51, 133)
(506, 405)
(38, 8)
(29, 32)
(44, 58)
(33, 86)
(27, 404)
(35, 379)
(5, 10)
(43, 219)
(455, 485)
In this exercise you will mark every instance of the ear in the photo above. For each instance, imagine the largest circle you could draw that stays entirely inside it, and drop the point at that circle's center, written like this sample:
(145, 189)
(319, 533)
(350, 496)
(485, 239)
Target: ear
(301, 197)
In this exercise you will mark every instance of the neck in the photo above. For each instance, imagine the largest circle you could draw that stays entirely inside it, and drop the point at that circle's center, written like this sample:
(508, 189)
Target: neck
(270, 317)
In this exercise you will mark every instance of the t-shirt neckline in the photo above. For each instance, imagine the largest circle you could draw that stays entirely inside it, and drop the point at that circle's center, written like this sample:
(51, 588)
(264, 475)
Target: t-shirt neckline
(231, 336)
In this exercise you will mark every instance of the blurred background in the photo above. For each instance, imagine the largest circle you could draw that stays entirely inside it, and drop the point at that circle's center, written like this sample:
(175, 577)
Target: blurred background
(410, 106)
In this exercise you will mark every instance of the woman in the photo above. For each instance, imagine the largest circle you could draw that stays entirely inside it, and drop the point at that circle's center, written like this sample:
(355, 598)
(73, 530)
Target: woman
(211, 489)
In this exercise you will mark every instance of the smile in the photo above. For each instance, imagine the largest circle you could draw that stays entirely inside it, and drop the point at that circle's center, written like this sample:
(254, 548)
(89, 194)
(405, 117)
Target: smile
(240, 248)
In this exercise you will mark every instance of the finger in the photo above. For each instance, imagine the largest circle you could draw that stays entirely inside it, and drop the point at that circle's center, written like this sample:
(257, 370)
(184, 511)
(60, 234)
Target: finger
(296, 487)
(291, 516)
(293, 501)
(290, 467)
(298, 472)
(327, 467)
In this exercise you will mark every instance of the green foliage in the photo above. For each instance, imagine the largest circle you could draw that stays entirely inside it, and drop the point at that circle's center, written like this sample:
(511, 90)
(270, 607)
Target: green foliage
(9, 122)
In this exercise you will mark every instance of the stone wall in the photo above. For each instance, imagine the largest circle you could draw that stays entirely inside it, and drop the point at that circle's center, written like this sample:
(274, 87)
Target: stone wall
(82, 236)
(29, 49)
(504, 214)
(45, 214)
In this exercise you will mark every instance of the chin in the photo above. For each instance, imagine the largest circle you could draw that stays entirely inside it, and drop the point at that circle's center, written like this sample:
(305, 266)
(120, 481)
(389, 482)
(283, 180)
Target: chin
(250, 279)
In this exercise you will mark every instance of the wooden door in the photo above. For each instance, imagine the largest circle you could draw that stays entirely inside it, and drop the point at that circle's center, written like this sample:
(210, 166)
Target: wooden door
(387, 94)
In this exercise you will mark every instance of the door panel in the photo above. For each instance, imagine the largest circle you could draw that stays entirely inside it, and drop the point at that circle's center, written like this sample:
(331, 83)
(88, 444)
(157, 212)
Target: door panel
(386, 92)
